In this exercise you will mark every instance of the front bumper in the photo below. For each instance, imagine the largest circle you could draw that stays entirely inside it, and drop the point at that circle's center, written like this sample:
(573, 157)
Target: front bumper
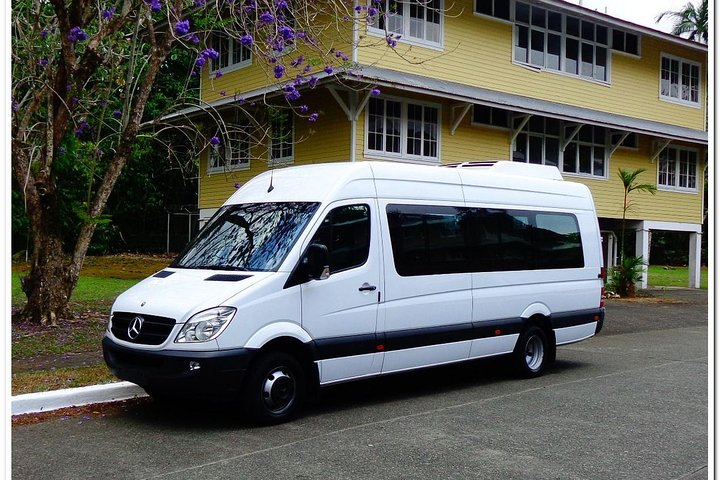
(169, 372)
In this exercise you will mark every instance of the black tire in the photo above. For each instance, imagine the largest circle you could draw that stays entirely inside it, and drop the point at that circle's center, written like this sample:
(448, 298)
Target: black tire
(275, 389)
(532, 353)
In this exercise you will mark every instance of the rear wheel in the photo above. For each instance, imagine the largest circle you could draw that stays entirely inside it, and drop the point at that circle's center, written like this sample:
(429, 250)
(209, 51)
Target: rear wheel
(275, 388)
(531, 353)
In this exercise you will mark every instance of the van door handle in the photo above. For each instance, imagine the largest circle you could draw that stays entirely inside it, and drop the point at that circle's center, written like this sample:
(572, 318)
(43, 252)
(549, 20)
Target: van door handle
(366, 287)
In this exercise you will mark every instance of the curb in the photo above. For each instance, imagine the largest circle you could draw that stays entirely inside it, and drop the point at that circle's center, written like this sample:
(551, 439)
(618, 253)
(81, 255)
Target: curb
(74, 397)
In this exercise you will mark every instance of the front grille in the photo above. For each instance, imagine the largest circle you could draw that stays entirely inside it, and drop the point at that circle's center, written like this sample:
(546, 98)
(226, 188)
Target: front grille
(154, 331)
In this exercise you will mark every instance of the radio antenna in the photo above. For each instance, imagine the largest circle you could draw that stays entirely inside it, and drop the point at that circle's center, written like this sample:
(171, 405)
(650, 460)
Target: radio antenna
(271, 188)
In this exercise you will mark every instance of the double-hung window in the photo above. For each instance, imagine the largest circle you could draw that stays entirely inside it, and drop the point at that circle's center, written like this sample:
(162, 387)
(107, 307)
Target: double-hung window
(679, 80)
(403, 129)
(586, 154)
(232, 53)
(281, 138)
(677, 169)
(233, 153)
(417, 21)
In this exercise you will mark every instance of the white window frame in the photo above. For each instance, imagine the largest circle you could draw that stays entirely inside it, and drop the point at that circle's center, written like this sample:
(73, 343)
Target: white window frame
(282, 144)
(565, 129)
(677, 169)
(233, 153)
(564, 36)
(403, 155)
(681, 61)
(230, 44)
(404, 22)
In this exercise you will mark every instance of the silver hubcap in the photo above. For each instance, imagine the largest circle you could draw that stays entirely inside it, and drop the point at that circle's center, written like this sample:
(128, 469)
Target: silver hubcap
(278, 390)
(534, 352)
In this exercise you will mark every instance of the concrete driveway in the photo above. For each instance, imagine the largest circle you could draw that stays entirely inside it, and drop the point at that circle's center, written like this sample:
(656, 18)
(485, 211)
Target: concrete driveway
(631, 403)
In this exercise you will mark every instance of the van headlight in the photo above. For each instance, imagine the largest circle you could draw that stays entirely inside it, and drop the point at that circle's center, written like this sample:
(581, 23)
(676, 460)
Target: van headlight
(206, 325)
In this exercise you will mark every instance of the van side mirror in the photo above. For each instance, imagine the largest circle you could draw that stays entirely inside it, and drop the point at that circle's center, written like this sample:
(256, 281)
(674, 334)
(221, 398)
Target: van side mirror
(316, 262)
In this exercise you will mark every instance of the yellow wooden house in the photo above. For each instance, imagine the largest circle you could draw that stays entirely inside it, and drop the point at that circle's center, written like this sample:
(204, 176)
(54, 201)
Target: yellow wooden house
(541, 81)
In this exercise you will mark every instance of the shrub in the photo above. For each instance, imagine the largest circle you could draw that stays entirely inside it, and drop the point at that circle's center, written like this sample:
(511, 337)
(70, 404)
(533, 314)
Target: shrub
(624, 276)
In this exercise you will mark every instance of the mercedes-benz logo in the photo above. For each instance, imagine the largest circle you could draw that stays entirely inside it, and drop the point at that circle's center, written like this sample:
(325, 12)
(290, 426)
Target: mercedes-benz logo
(134, 328)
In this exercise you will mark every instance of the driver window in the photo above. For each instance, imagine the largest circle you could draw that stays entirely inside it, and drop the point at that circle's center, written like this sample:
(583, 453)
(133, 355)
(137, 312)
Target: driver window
(345, 232)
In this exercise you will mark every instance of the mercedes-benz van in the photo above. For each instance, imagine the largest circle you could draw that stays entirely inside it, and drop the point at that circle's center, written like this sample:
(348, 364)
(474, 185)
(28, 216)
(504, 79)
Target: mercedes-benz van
(313, 275)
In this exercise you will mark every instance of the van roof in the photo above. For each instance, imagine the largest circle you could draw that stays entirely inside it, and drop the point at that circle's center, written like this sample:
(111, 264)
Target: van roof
(501, 182)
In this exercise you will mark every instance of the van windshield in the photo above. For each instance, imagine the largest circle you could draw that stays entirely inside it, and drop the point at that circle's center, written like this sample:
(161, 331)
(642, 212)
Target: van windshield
(254, 237)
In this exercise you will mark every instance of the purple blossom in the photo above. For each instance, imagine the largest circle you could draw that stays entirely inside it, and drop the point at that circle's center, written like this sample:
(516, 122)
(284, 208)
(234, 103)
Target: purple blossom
(99, 153)
(266, 17)
(281, 4)
(210, 53)
(199, 3)
(372, 11)
(214, 141)
(15, 106)
(83, 127)
(313, 117)
(246, 40)
(345, 58)
(291, 93)
(193, 38)
(77, 34)
(237, 185)
(182, 27)
(328, 69)
(249, 6)
(307, 68)
(61, 150)
(223, 93)
(44, 33)
(108, 13)
(286, 32)
(358, 8)
(117, 114)
(298, 61)
(313, 81)
(43, 62)
(375, 91)
(218, 74)
(279, 71)
(155, 5)
(303, 108)
(200, 62)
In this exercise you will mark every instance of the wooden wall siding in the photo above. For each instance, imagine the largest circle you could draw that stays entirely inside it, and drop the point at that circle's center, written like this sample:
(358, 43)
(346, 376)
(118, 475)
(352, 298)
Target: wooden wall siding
(260, 73)
(478, 51)
(329, 140)
(324, 141)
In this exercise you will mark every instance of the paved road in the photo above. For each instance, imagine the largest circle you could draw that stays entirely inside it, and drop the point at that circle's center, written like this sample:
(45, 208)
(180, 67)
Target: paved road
(631, 403)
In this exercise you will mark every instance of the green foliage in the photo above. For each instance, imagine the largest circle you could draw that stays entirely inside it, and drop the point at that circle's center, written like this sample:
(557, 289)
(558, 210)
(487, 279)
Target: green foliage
(624, 276)
(690, 19)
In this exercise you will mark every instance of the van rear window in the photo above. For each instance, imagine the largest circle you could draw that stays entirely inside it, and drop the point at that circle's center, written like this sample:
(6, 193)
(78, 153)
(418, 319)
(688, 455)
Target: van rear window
(431, 240)
(254, 237)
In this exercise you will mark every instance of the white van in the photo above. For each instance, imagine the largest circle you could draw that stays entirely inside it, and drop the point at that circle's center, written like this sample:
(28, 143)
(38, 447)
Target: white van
(319, 274)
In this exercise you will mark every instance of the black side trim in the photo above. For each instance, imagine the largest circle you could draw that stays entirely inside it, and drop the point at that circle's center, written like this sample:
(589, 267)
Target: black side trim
(581, 317)
(163, 274)
(224, 277)
(336, 347)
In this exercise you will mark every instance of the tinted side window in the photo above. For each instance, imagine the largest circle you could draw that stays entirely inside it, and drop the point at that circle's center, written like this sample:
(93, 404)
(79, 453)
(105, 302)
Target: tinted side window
(345, 231)
(431, 240)
(557, 239)
(428, 240)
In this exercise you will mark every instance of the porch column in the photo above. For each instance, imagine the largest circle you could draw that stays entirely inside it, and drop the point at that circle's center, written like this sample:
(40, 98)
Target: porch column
(694, 260)
(642, 249)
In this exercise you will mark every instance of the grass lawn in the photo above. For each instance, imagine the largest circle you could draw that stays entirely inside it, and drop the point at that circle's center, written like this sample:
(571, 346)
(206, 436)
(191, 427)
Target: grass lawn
(661, 276)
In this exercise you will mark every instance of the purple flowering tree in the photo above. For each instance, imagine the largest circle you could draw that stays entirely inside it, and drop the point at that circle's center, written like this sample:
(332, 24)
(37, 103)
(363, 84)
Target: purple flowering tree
(83, 72)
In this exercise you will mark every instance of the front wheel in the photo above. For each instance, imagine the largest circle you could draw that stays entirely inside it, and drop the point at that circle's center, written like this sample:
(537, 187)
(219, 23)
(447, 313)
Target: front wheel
(275, 388)
(531, 353)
